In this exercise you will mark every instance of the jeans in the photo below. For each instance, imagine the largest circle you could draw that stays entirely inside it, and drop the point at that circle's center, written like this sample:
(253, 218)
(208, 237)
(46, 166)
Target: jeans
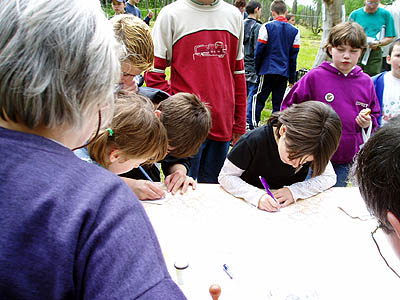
(208, 162)
(342, 174)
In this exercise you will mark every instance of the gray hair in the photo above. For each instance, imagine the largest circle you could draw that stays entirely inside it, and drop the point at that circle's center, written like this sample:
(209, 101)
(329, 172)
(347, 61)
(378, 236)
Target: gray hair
(58, 60)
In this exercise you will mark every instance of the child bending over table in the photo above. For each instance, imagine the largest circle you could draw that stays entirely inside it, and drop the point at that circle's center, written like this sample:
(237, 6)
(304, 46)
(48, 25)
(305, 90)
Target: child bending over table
(304, 136)
(135, 136)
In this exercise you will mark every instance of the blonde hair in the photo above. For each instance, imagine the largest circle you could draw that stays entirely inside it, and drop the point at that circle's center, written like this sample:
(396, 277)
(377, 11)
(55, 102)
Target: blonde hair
(135, 35)
(136, 131)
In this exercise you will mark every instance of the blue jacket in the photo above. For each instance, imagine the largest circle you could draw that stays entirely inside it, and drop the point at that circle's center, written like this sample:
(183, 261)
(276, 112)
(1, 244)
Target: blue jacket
(132, 9)
(277, 48)
(379, 87)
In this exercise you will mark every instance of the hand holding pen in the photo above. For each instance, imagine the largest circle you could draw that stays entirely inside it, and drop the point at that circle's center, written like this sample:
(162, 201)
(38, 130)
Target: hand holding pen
(267, 201)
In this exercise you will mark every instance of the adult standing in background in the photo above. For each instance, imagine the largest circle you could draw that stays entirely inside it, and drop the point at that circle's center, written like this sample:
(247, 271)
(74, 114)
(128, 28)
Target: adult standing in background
(394, 10)
(69, 229)
(379, 27)
(131, 8)
(202, 41)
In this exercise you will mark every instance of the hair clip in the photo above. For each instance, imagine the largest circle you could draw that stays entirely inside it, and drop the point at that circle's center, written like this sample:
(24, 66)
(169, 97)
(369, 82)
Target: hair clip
(110, 131)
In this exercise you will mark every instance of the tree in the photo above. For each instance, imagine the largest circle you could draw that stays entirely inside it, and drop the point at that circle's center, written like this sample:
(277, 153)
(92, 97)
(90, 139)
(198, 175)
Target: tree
(333, 12)
(294, 7)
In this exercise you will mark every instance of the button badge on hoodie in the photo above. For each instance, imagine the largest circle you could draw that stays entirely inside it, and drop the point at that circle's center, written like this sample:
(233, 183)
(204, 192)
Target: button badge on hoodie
(329, 97)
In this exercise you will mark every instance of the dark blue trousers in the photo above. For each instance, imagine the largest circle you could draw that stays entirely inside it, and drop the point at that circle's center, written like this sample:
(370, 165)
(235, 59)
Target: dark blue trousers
(267, 84)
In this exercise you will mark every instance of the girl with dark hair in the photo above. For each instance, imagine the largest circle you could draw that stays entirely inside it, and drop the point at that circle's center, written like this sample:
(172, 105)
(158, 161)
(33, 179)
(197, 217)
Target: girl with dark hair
(302, 137)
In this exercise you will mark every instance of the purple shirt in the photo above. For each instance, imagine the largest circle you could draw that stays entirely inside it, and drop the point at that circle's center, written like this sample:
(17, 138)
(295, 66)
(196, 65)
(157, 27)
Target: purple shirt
(72, 230)
(347, 95)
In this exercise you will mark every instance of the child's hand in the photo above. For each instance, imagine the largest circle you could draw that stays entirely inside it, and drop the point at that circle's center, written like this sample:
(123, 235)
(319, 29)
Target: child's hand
(267, 203)
(364, 119)
(145, 189)
(283, 196)
(177, 180)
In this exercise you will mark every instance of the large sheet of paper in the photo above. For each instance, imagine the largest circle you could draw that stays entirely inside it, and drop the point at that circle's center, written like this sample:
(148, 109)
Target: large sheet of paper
(318, 248)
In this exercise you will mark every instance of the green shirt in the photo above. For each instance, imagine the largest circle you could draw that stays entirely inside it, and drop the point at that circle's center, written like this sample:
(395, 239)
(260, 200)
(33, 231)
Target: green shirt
(372, 23)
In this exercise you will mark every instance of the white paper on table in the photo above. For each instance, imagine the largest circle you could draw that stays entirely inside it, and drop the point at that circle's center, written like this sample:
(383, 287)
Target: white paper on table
(355, 208)
(160, 201)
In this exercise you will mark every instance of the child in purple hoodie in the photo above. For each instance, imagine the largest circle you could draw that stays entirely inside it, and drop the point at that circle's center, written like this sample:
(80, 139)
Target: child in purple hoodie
(343, 85)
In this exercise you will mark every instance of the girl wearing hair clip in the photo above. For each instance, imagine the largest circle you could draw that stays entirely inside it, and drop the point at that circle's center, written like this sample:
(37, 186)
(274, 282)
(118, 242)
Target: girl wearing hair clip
(135, 136)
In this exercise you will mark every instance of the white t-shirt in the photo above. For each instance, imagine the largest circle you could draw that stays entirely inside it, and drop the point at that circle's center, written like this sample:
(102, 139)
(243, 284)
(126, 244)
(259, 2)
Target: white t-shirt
(391, 97)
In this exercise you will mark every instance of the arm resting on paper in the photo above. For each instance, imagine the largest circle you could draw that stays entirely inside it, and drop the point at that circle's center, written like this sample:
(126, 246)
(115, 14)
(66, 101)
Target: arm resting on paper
(313, 186)
(177, 179)
(230, 180)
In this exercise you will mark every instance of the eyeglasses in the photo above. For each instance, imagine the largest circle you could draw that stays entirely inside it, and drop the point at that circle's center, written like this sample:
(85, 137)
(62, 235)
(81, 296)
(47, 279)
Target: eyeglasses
(379, 250)
(95, 135)
(372, 3)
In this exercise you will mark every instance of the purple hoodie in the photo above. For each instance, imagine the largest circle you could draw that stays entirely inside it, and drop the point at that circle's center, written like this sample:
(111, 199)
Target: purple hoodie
(347, 95)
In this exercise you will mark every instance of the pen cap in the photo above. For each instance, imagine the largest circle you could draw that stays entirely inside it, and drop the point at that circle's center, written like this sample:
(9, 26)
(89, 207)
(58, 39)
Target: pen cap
(180, 267)
(181, 264)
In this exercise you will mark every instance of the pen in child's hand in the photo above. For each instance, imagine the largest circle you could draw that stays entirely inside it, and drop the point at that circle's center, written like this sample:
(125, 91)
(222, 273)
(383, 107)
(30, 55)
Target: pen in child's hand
(266, 187)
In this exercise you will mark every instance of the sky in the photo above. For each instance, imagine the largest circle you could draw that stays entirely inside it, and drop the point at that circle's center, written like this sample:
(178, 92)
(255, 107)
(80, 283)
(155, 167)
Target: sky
(304, 2)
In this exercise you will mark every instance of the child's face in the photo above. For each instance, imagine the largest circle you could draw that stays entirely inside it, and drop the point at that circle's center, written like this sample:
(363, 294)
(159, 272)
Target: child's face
(284, 154)
(118, 7)
(344, 57)
(292, 20)
(120, 164)
(394, 61)
(128, 77)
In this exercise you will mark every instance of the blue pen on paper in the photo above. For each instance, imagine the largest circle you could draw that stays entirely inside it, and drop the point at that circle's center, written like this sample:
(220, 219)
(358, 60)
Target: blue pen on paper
(266, 187)
(227, 271)
(145, 173)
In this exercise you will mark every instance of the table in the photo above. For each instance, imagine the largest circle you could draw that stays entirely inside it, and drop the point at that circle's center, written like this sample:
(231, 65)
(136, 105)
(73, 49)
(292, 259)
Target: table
(313, 249)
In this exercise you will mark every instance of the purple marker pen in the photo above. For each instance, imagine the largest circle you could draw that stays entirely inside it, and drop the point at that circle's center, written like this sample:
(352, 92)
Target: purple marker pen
(266, 187)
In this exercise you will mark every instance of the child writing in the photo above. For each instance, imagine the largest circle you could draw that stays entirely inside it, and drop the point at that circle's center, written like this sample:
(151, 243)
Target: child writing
(135, 136)
(387, 85)
(188, 122)
(305, 135)
(342, 85)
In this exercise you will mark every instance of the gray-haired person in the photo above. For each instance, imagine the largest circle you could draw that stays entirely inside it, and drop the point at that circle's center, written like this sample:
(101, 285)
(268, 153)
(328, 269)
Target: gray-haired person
(69, 229)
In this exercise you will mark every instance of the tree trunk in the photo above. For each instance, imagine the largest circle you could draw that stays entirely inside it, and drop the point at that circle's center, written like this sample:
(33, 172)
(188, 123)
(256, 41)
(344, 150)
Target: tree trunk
(294, 7)
(333, 12)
